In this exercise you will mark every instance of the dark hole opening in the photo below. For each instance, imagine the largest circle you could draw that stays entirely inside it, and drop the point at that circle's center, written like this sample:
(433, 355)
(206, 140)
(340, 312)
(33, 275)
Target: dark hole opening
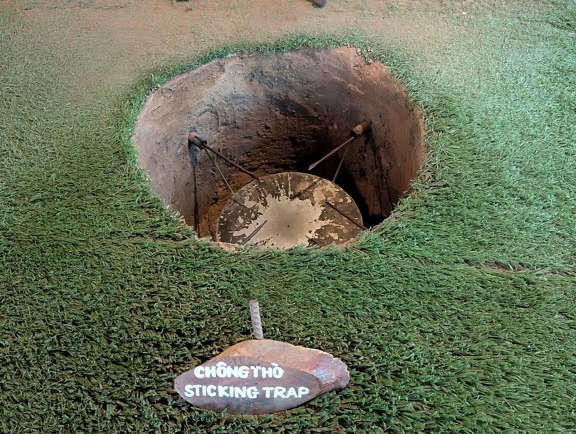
(279, 113)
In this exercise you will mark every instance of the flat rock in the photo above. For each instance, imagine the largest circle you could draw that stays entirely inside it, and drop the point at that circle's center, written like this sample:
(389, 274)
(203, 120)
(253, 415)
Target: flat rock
(261, 377)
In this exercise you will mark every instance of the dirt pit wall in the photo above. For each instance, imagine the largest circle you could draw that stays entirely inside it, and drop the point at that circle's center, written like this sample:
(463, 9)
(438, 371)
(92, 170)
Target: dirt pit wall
(279, 112)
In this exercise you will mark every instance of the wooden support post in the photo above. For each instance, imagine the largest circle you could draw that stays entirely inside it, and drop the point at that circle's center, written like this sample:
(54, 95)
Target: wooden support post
(256, 321)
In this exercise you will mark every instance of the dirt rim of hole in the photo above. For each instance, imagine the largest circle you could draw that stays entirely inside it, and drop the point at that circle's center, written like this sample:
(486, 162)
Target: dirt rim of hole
(279, 112)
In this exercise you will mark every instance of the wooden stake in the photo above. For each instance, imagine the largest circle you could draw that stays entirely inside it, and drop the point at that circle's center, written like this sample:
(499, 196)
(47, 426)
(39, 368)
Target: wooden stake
(256, 321)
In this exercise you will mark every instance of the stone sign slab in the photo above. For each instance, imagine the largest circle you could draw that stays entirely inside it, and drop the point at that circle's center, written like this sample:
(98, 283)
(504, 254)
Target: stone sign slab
(261, 377)
(246, 385)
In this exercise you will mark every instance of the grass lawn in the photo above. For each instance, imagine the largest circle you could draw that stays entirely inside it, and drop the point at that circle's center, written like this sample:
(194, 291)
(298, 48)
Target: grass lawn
(456, 314)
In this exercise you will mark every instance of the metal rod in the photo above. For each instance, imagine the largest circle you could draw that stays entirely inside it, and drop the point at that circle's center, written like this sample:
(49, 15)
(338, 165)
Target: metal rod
(193, 163)
(196, 210)
(192, 138)
(346, 215)
(254, 232)
(359, 130)
(329, 154)
(340, 164)
(256, 320)
(220, 172)
(300, 193)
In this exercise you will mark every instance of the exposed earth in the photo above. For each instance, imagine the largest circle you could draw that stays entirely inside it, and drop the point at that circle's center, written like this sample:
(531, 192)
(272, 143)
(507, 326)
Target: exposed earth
(279, 113)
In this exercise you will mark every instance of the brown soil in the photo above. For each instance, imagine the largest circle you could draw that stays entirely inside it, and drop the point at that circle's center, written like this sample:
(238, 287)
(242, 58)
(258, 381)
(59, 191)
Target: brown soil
(280, 113)
(117, 41)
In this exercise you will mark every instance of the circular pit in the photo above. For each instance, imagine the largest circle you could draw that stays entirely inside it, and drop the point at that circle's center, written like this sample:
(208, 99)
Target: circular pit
(277, 113)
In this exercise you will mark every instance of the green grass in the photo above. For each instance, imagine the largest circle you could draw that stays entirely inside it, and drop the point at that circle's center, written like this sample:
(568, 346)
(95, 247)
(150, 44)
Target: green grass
(105, 298)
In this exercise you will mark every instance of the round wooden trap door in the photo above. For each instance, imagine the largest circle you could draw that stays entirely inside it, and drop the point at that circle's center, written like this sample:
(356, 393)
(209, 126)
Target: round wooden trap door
(287, 209)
